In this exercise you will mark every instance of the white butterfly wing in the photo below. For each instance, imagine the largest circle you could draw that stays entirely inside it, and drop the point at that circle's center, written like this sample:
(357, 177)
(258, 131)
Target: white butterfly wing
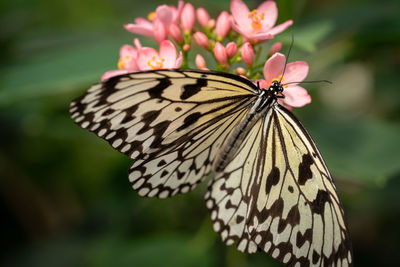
(277, 195)
(172, 122)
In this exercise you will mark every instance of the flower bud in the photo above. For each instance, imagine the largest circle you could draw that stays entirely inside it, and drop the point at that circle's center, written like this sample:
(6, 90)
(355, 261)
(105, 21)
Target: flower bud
(231, 49)
(276, 47)
(201, 39)
(247, 53)
(220, 53)
(200, 62)
(211, 23)
(223, 25)
(186, 47)
(240, 71)
(188, 17)
(202, 16)
(176, 33)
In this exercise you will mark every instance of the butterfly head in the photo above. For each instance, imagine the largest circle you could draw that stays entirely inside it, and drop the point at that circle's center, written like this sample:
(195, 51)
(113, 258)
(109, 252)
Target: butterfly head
(276, 89)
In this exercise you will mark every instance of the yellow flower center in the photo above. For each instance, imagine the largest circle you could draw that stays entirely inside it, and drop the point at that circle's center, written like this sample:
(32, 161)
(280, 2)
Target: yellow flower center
(151, 16)
(122, 62)
(256, 19)
(155, 62)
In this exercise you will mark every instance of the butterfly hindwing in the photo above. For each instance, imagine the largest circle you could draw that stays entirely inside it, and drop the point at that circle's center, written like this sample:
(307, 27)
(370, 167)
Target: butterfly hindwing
(288, 203)
(171, 122)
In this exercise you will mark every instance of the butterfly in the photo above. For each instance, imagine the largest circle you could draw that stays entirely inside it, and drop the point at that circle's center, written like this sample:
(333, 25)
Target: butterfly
(271, 189)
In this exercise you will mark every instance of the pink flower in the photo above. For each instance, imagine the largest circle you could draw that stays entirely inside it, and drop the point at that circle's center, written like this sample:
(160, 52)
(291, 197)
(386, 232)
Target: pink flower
(200, 62)
(223, 25)
(127, 61)
(149, 59)
(247, 53)
(295, 72)
(220, 53)
(202, 16)
(188, 17)
(159, 24)
(201, 39)
(257, 25)
(231, 49)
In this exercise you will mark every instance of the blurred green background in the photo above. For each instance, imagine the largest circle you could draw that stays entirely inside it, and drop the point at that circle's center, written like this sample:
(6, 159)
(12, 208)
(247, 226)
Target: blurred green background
(65, 198)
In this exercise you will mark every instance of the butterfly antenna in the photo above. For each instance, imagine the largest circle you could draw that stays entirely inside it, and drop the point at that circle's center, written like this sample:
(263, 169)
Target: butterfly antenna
(287, 58)
(316, 81)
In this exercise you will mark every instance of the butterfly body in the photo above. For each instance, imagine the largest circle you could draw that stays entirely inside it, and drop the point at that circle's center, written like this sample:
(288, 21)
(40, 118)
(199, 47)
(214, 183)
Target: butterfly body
(264, 101)
(271, 190)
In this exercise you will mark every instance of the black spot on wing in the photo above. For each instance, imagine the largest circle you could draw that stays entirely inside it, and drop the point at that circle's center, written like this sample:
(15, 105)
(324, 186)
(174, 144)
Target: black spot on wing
(239, 219)
(305, 170)
(315, 257)
(148, 118)
(129, 113)
(157, 90)
(161, 163)
(189, 90)
(272, 179)
(301, 239)
(293, 217)
(318, 205)
(189, 120)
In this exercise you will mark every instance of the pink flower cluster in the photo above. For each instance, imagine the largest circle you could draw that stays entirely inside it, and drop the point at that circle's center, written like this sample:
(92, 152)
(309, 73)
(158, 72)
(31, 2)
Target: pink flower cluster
(234, 40)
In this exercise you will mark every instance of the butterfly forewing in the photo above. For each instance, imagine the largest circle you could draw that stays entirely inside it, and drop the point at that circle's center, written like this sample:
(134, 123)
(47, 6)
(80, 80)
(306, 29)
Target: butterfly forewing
(171, 122)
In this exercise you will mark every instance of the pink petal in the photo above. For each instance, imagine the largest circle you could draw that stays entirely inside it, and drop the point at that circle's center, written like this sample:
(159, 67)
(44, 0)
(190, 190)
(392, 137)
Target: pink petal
(168, 52)
(143, 22)
(262, 83)
(139, 29)
(177, 13)
(179, 60)
(164, 13)
(112, 73)
(295, 72)
(281, 27)
(131, 65)
(296, 96)
(270, 14)
(238, 28)
(127, 50)
(261, 36)
(144, 55)
(274, 67)
(137, 43)
(240, 13)
(160, 30)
